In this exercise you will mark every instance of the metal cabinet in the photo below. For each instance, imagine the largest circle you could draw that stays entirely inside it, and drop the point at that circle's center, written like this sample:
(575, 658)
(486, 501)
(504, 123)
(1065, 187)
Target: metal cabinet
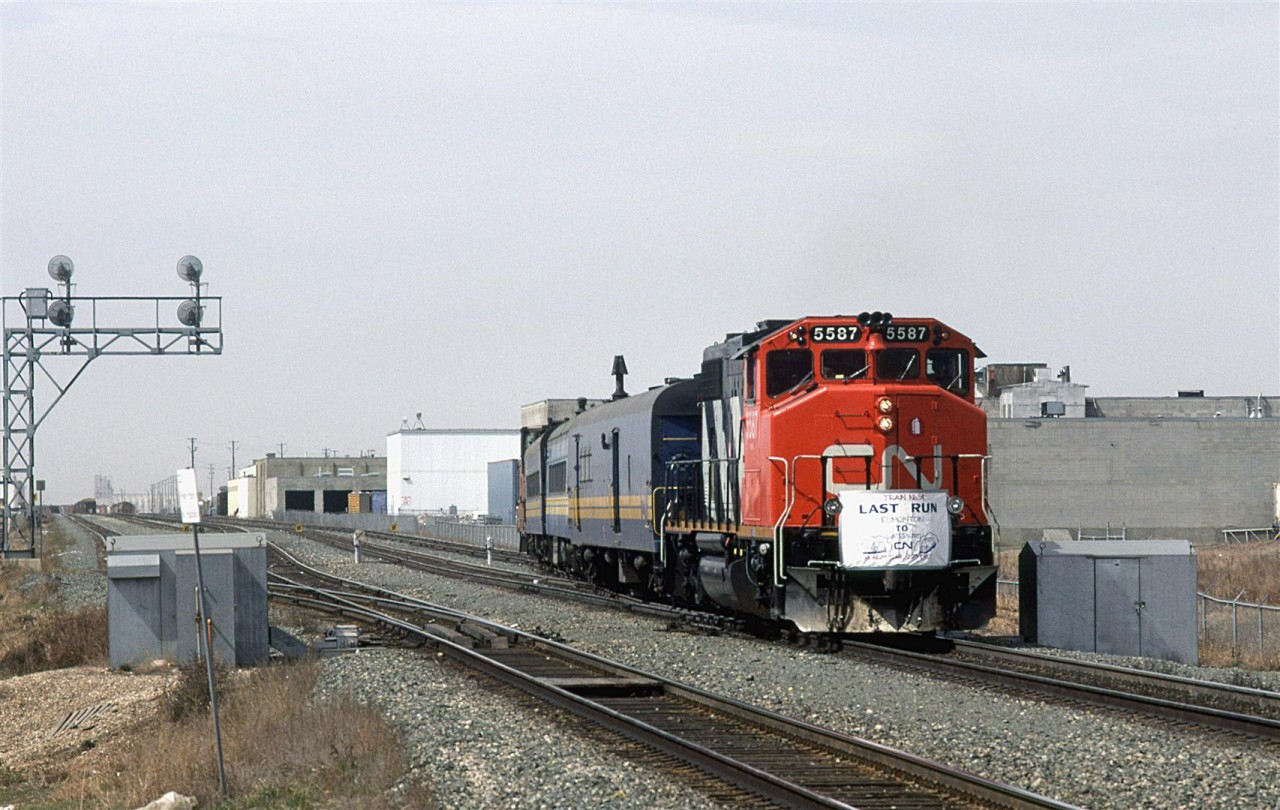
(1124, 598)
(151, 597)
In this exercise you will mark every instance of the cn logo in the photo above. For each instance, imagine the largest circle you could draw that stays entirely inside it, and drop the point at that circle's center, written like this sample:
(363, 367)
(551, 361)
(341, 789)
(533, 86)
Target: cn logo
(911, 467)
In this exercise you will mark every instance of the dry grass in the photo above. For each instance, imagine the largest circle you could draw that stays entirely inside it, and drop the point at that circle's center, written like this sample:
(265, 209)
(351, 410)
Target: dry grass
(281, 748)
(1248, 570)
(35, 636)
(33, 641)
(1213, 654)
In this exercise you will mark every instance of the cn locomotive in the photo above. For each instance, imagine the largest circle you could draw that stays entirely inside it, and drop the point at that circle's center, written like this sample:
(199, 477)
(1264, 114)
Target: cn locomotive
(827, 473)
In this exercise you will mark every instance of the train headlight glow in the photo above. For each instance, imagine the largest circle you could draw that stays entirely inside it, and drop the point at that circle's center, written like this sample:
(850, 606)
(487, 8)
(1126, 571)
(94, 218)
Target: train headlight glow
(884, 405)
(955, 504)
(885, 423)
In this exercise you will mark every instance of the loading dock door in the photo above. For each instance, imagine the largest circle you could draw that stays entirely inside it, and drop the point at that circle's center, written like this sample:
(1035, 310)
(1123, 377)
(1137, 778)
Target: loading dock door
(300, 500)
(335, 501)
(1119, 617)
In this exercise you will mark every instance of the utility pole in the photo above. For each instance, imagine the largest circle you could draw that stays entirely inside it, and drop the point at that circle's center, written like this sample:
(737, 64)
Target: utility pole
(233, 459)
(193, 451)
(281, 450)
(213, 499)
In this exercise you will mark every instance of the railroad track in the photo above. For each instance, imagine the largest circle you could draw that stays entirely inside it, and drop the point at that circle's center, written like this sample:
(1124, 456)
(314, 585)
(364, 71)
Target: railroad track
(1214, 706)
(773, 758)
(1219, 707)
(391, 549)
(435, 543)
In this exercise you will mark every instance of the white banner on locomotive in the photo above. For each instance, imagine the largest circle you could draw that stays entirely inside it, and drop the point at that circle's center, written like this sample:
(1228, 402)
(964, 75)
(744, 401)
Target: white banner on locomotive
(894, 529)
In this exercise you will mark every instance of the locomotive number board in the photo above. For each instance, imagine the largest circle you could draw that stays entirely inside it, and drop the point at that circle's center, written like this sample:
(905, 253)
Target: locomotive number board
(842, 333)
(899, 333)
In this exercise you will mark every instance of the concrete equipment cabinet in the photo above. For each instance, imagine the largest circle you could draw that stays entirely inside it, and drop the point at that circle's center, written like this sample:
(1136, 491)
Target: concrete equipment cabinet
(151, 598)
(1135, 597)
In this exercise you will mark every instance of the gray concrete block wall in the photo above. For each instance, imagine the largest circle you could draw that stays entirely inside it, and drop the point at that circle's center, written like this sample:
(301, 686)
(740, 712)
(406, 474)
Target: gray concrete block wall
(1159, 478)
(1184, 407)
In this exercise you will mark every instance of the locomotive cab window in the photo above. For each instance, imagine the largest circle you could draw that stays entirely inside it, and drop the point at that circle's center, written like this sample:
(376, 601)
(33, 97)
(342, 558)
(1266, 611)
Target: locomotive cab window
(948, 369)
(897, 364)
(786, 370)
(844, 364)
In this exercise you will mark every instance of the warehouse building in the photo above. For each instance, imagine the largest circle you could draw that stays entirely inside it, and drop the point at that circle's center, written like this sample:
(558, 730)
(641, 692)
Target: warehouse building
(1180, 467)
(304, 484)
(444, 470)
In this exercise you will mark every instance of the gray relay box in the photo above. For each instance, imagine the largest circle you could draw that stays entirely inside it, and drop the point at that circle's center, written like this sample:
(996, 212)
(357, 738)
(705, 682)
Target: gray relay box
(1134, 597)
(151, 597)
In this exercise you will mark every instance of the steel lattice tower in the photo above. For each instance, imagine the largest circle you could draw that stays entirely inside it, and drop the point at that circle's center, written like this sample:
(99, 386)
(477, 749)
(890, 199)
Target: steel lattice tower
(44, 327)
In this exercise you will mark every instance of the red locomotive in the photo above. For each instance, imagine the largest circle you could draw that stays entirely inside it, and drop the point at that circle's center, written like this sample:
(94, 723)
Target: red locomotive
(827, 472)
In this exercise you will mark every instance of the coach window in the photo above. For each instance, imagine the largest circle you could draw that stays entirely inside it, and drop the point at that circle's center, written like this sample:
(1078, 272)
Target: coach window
(844, 364)
(533, 484)
(557, 477)
(786, 370)
(948, 369)
(897, 364)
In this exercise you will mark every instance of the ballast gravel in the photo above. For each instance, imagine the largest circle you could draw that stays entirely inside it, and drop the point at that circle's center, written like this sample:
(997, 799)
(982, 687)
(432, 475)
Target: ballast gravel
(1084, 756)
(480, 746)
(80, 582)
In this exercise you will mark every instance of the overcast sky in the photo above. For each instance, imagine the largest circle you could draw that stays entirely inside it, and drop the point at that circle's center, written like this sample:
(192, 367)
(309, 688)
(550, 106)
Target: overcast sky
(456, 210)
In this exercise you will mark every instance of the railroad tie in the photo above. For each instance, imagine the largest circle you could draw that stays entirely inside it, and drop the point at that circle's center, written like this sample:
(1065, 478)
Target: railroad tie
(83, 719)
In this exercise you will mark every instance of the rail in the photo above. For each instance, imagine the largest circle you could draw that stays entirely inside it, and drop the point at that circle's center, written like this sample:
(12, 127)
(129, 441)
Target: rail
(780, 760)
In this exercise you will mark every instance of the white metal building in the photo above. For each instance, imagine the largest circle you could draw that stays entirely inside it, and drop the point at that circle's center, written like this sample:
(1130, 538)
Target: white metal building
(242, 494)
(436, 470)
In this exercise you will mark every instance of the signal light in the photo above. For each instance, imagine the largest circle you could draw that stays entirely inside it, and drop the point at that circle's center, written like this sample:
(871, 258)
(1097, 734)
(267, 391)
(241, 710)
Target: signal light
(884, 405)
(61, 313)
(61, 268)
(885, 423)
(190, 313)
(832, 506)
(797, 335)
(955, 504)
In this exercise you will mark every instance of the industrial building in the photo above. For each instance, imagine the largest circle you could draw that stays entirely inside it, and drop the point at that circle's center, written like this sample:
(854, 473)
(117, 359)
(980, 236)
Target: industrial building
(304, 484)
(444, 470)
(1182, 467)
(504, 490)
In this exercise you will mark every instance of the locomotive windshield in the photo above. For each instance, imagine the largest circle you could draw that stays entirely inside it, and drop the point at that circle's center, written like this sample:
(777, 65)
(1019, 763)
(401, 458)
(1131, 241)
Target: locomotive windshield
(897, 364)
(786, 369)
(844, 364)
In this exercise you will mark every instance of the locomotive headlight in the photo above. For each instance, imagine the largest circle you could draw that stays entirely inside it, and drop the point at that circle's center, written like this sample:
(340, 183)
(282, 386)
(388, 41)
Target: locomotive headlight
(832, 506)
(884, 405)
(885, 423)
(955, 504)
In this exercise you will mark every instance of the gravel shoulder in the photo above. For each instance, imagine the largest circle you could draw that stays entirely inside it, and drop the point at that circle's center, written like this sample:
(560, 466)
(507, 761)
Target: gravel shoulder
(80, 581)
(1088, 757)
(34, 710)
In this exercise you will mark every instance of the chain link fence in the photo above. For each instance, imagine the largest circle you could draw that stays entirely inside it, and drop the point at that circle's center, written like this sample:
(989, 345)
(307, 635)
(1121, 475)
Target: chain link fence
(504, 536)
(1246, 626)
